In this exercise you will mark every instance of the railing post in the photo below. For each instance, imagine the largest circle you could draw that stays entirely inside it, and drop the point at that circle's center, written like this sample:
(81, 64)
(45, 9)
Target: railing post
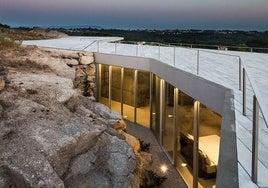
(255, 138)
(159, 51)
(244, 91)
(98, 46)
(240, 73)
(174, 57)
(115, 50)
(137, 49)
(197, 64)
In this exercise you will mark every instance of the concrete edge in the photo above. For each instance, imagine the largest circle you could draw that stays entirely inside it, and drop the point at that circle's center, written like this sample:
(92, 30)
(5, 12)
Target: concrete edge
(227, 172)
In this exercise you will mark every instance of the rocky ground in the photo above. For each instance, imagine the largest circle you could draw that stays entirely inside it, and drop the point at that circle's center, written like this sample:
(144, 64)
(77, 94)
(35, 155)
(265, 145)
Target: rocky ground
(53, 136)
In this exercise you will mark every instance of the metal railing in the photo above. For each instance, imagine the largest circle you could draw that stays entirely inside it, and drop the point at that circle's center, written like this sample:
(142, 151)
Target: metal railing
(243, 75)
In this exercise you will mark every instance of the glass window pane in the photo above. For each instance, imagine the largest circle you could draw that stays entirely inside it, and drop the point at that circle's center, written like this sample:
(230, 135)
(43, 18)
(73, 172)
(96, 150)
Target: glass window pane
(128, 94)
(168, 133)
(156, 107)
(209, 144)
(185, 121)
(143, 98)
(104, 80)
(116, 89)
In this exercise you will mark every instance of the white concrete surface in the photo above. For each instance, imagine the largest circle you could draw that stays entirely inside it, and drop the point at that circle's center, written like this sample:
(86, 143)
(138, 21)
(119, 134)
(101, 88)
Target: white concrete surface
(218, 68)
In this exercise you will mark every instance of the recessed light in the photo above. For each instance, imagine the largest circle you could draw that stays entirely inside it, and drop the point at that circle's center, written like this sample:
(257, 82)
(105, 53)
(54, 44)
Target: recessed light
(183, 164)
(164, 168)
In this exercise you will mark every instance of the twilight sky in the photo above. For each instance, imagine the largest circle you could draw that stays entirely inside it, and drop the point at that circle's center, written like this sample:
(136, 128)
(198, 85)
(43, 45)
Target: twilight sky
(141, 14)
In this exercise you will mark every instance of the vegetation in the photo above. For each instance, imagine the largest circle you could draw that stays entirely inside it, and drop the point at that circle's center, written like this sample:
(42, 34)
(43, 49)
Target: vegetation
(24, 33)
(144, 146)
(206, 37)
(86, 87)
(5, 41)
(151, 179)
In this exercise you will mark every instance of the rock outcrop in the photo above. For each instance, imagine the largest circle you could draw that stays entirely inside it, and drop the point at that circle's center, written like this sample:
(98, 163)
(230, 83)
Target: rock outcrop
(53, 136)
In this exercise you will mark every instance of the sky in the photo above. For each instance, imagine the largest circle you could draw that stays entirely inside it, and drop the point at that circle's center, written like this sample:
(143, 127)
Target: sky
(138, 14)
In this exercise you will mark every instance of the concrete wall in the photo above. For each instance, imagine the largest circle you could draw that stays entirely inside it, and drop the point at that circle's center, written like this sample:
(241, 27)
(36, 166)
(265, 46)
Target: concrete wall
(207, 92)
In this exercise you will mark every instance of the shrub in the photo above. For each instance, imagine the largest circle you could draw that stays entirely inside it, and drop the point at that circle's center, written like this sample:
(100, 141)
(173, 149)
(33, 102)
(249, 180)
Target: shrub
(6, 42)
(144, 146)
(86, 87)
(151, 179)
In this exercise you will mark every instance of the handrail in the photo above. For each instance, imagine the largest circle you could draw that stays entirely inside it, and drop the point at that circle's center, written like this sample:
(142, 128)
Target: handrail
(217, 46)
(255, 89)
(89, 45)
(219, 53)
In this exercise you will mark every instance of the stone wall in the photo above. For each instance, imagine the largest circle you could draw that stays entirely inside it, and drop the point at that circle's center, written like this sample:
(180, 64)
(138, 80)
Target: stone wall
(84, 69)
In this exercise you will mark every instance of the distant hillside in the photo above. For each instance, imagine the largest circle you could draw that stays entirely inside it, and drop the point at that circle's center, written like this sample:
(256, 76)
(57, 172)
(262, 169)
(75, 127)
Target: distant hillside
(207, 37)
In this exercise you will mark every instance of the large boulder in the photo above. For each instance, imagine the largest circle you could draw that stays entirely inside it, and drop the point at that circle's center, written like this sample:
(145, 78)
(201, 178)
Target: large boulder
(106, 113)
(110, 157)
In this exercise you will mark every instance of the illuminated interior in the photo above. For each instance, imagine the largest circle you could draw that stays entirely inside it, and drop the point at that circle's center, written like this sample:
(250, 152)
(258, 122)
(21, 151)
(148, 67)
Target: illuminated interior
(146, 99)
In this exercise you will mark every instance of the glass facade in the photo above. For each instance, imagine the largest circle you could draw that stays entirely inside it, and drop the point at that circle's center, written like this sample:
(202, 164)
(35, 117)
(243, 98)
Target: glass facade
(175, 118)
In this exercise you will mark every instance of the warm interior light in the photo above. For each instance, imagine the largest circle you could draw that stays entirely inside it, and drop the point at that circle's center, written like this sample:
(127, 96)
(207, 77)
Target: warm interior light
(125, 117)
(164, 168)
(170, 116)
(183, 164)
(153, 113)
